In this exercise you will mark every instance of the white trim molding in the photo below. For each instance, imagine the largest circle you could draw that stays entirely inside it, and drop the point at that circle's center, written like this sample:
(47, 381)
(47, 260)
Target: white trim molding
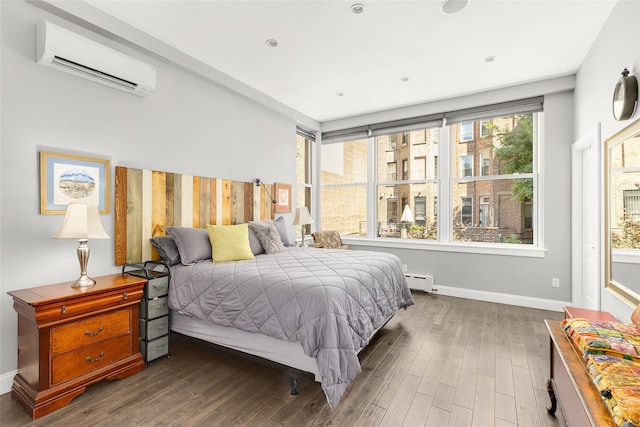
(500, 298)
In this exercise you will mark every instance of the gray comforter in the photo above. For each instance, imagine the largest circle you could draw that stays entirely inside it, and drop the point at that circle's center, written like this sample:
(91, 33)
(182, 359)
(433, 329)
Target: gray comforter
(331, 301)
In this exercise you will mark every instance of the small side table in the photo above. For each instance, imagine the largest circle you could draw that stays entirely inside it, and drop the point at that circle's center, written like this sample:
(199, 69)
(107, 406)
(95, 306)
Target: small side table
(586, 313)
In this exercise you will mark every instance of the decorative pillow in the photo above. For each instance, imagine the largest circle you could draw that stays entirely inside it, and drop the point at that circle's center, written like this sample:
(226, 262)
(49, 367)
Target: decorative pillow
(268, 235)
(193, 243)
(329, 239)
(167, 249)
(229, 242)
(254, 243)
(281, 226)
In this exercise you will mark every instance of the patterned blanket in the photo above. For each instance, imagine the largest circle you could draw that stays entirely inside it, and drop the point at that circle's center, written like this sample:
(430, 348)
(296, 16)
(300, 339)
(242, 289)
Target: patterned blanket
(331, 301)
(618, 381)
(601, 337)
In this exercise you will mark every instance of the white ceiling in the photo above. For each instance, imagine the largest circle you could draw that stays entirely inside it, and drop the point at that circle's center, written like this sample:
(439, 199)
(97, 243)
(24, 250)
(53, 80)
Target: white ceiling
(324, 49)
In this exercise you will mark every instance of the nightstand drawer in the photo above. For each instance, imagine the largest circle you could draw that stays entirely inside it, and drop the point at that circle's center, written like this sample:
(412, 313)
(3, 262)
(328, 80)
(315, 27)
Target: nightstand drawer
(77, 362)
(154, 308)
(90, 330)
(157, 287)
(151, 329)
(153, 349)
(90, 303)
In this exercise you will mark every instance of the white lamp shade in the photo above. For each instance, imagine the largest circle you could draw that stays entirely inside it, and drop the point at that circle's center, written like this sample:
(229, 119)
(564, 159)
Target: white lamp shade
(81, 222)
(302, 216)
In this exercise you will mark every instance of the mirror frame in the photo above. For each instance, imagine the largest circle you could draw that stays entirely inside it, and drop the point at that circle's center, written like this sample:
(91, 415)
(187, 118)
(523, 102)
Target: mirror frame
(622, 292)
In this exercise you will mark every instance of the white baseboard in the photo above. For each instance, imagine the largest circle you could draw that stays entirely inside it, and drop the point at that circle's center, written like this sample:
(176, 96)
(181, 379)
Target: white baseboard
(521, 301)
(6, 380)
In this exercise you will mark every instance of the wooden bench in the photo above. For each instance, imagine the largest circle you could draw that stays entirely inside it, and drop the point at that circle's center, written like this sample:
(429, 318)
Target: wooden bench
(570, 385)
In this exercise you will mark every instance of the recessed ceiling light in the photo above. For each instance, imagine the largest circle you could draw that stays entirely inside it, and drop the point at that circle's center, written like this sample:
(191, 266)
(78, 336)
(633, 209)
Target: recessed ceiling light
(489, 58)
(404, 79)
(453, 6)
(271, 42)
(357, 8)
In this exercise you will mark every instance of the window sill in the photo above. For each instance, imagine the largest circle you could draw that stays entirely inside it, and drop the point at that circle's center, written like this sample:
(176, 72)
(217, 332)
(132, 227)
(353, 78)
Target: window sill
(626, 256)
(487, 248)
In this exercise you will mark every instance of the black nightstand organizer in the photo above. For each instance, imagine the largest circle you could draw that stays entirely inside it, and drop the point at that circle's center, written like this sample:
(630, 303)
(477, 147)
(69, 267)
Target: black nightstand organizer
(154, 309)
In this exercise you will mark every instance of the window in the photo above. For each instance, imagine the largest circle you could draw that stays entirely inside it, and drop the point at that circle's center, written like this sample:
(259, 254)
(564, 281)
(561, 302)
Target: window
(402, 203)
(419, 169)
(304, 162)
(466, 210)
(466, 165)
(344, 187)
(485, 161)
(631, 204)
(505, 198)
(484, 211)
(392, 169)
(488, 186)
(484, 128)
(466, 131)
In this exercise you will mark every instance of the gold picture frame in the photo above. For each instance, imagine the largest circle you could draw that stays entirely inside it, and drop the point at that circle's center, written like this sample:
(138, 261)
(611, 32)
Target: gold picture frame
(66, 178)
(283, 198)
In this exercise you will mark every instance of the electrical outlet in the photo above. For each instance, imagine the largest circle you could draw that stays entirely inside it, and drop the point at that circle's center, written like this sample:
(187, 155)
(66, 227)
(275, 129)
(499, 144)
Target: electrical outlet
(555, 282)
(404, 268)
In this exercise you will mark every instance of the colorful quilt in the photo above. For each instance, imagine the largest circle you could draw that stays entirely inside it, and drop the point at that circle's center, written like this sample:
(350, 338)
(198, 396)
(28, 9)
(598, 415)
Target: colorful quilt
(618, 381)
(599, 337)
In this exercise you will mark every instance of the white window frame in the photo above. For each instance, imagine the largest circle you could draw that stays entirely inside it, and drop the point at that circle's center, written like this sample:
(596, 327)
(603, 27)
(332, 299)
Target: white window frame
(466, 136)
(463, 163)
(484, 130)
(444, 203)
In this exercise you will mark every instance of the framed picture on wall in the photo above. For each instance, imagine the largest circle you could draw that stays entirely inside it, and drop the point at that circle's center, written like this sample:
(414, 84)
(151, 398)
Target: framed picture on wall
(68, 178)
(283, 197)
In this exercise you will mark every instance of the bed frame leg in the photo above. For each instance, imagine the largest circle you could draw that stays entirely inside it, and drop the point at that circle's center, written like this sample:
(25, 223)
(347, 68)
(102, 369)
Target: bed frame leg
(293, 381)
(552, 395)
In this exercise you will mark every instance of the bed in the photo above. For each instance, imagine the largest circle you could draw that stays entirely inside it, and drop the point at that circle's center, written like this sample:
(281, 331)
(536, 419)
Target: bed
(241, 285)
(308, 308)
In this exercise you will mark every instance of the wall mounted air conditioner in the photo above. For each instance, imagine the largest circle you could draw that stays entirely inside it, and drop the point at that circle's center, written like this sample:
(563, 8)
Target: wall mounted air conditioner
(59, 48)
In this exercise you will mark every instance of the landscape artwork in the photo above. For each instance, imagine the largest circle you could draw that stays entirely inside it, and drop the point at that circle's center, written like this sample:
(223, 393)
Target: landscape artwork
(68, 179)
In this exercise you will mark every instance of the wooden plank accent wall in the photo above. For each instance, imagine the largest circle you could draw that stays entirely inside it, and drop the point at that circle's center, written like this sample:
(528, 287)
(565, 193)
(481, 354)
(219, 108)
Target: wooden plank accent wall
(146, 201)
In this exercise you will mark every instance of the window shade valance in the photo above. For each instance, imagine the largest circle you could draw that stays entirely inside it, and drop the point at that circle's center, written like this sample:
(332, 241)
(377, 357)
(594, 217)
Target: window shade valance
(528, 105)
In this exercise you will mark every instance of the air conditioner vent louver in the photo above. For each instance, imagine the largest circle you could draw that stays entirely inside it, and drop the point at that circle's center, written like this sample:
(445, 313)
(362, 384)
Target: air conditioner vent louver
(92, 72)
(69, 52)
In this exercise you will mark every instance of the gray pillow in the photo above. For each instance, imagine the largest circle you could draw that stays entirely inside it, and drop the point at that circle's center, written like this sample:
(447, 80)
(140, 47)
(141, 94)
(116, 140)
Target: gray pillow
(281, 227)
(269, 238)
(167, 249)
(193, 243)
(254, 243)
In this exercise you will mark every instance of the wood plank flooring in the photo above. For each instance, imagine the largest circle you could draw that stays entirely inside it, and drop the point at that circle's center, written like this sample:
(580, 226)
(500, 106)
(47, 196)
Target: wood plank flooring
(444, 362)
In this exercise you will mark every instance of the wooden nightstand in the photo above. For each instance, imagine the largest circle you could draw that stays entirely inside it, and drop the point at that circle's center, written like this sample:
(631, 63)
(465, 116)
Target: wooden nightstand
(69, 338)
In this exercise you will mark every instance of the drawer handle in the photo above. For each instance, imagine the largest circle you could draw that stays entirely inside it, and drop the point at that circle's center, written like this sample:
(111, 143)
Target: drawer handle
(124, 295)
(90, 360)
(63, 309)
(93, 334)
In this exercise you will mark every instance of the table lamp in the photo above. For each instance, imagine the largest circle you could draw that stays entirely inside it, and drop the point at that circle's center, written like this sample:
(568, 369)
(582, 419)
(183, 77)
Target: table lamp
(302, 218)
(82, 222)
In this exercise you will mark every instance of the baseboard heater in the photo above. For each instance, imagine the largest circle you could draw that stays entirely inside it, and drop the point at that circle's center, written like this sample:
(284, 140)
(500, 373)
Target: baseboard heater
(420, 282)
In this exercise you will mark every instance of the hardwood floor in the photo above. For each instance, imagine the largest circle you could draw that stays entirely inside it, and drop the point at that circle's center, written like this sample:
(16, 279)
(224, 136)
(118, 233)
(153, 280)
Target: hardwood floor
(444, 362)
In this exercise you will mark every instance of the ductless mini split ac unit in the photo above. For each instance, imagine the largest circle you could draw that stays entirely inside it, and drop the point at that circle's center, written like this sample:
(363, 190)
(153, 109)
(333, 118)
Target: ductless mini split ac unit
(59, 48)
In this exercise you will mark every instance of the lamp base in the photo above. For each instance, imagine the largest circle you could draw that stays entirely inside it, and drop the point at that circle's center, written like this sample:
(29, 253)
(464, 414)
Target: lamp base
(83, 281)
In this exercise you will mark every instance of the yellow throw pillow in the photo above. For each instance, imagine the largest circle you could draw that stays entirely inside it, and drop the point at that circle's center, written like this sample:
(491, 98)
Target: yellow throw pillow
(229, 242)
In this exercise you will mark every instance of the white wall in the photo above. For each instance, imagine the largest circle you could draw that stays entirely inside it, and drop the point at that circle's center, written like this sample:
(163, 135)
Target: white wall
(617, 47)
(187, 126)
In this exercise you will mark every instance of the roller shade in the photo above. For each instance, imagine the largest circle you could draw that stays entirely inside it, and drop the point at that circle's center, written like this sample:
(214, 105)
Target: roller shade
(383, 128)
(529, 105)
(308, 134)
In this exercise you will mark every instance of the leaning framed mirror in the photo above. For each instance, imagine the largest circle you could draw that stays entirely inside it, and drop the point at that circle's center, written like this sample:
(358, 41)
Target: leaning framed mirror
(622, 214)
